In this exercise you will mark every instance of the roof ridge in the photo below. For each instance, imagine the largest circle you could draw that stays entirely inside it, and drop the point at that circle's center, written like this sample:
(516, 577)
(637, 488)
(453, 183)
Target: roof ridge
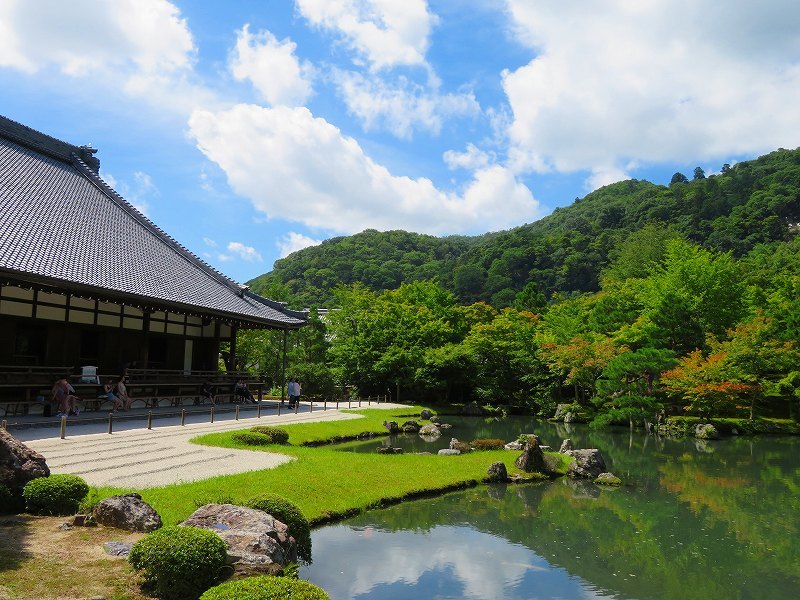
(28, 136)
(106, 189)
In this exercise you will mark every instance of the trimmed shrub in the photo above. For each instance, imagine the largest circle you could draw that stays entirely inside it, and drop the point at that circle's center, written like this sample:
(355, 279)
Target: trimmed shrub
(249, 438)
(179, 562)
(287, 512)
(58, 494)
(488, 444)
(264, 587)
(276, 434)
(462, 447)
(10, 502)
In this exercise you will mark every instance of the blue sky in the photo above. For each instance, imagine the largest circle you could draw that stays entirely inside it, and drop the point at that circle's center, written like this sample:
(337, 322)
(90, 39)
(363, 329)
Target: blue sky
(247, 129)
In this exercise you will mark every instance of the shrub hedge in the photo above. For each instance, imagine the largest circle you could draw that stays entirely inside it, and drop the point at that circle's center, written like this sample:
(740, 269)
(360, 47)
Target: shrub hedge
(179, 562)
(251, 438)
(276, 434)
(265, 587)
(287, 512)
(488, 444)
(58, 494)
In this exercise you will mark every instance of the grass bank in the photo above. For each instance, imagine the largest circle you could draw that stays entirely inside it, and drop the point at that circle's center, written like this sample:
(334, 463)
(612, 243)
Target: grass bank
(328, 484)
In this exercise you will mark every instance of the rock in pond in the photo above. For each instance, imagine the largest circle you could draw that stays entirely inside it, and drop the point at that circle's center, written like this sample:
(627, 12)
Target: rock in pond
(425, 414)
(430, 430)
(706, 431)
(566, 446)
(587, 464)
(608, 479)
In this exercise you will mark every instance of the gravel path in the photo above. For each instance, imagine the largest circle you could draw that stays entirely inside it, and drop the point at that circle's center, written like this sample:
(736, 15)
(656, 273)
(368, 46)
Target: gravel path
(141, 458)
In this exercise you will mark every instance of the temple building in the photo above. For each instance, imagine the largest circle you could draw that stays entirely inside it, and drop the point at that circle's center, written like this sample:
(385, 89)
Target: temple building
(86, 279)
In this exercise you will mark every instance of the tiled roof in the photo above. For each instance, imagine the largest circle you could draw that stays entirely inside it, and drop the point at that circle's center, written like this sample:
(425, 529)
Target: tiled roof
(60, 222)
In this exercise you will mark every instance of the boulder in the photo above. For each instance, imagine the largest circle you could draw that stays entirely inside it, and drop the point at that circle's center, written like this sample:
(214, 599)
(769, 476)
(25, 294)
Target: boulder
(706, 431)
(128, 512)
(430, 430)
(561, 411)
(515, 445)
(497, 472)
(566, 446)
(425, 414)
(434, 419)
(118, 548)
(569, 417)
(256, 541)
(608, 479)
(18, 463)
(392, 426)
(586, 464)
(389, 450)
(444, 425)
(531, 435)
(410, 427)
(531, 460)
(448, 452)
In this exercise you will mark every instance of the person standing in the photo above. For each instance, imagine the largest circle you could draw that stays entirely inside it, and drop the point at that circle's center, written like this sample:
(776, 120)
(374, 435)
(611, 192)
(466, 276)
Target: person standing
(290, 392)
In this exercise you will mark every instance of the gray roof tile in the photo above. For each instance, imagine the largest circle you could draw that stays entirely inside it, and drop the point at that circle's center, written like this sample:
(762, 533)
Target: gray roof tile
(60, 221)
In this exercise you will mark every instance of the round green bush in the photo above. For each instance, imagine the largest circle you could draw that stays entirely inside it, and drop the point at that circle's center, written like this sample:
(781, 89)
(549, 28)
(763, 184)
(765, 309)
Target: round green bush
(287, 513)
(54, 495)
(249, 438)
(265, 587)
(276, 434)
(179, 562)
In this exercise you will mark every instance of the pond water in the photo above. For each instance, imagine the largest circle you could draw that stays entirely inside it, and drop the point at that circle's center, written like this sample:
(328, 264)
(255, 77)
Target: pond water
(694, 520)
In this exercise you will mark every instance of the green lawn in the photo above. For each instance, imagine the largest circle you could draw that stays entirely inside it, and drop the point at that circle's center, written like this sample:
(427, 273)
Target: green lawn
(327, 484)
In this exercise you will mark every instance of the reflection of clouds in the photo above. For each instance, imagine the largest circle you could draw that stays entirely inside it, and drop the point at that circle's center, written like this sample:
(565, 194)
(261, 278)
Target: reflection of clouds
(348, 563)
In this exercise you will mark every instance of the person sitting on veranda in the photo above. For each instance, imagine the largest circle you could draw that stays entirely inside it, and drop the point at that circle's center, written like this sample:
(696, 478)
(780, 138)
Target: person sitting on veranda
(121, 391)
(207, 391)
(242, 392)
(63, 396)
(108, 392)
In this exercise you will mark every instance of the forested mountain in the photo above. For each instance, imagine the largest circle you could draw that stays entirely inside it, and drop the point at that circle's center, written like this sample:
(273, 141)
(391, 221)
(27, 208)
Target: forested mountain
(751, 203)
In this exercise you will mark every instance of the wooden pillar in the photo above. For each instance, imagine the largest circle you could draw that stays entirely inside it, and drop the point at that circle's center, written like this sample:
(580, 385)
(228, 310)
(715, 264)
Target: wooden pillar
(283, 368)
(144, 351)
(234, 331)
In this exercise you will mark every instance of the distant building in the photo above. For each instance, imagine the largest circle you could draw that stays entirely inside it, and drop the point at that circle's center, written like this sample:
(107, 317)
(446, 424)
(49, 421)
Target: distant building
(86, 279)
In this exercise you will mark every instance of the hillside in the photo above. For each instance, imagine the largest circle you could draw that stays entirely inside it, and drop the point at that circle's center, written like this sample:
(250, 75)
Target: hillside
(745, 205)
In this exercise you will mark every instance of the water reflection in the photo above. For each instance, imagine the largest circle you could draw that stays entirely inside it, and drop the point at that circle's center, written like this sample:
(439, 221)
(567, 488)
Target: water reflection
(718, 521)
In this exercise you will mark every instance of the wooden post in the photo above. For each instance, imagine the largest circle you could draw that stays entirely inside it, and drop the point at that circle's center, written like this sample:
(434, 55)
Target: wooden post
(183, 417)
(63, 427)
(279, 407)
(258, 411)
(149, 419)
(4, 424)
(212, 413)
(237, 412)
(369, 400)
(110, 422)
(325, 404)
(312, 406)
(359, 402)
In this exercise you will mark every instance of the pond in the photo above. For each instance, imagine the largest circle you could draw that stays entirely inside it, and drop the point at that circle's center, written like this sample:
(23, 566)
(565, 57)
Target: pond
(718, 519)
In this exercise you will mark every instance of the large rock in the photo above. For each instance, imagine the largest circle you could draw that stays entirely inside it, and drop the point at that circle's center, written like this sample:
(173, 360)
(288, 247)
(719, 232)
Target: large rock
(561, 411)
(18, 463)
(128, 512)
(257, 542)
(448, 452)
(392, 426)
(586, 464)
(410, 427)
(566, 446)
(389, 450)
(706, 431)
(497, 472)
(531, 460)
(430, 430)
(425, 414)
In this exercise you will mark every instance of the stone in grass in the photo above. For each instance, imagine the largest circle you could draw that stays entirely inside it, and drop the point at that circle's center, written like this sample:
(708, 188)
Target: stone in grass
(608, 479)
(531, 460)
(392, 426)
(128, 512)
(497, 472)
(448, 452)
(118, 548)
(425, 414)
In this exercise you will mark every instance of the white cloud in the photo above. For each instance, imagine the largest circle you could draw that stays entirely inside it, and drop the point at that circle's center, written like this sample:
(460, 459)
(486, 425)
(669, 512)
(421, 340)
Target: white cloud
(292, 165)
(657, 81)
(293, 241)
(385, 32)
(136, 193)
(247, 253)
(142, 48)
(604, 176)
(403, 107)
(84, 36)
(272, 67)
(209, 242)
(472, 158)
